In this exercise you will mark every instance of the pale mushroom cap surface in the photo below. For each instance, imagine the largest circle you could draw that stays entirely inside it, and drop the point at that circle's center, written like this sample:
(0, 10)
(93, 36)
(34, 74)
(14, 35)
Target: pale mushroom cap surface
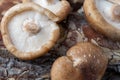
(59, 8)
(23, 40)
(104, 17)
(28, 32)
(106, 10)
(84, 61)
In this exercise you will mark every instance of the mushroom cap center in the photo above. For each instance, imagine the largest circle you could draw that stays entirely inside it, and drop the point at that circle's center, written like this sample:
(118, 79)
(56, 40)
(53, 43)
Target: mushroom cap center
(31, 27)
(116, 12)
(22, 25)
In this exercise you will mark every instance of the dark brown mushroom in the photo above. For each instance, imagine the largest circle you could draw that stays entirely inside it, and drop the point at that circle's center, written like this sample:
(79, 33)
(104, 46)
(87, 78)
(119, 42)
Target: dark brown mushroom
(84, 61)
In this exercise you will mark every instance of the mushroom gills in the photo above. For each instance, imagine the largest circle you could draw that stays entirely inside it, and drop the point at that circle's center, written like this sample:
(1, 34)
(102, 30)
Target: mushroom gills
(110, 11)
(20, 35)
(52, 5)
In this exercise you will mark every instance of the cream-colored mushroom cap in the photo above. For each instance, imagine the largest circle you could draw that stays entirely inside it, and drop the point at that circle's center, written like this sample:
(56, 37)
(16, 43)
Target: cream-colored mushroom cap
(104, 16)
(28, 31)
(59, 8)
(84, 61)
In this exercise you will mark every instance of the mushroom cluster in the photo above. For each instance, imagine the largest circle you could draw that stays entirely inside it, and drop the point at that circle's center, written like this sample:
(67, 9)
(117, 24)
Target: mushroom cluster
(31, 31)
(84, 61)
(104, 16)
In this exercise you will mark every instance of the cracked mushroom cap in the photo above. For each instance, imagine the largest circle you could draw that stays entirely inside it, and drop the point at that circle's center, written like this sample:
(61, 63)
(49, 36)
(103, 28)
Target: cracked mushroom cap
(104, 16)
(84, 61)
(59, 8)
(28, 31)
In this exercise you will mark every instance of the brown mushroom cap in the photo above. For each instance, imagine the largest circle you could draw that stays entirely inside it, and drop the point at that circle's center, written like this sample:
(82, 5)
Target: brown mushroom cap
(28, 31)
(104, 17)
(63, 69)
(84, 61)
(59, 8)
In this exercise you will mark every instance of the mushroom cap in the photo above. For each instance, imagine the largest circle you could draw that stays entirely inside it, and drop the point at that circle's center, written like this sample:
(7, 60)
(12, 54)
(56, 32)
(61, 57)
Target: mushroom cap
(59, 8)
(90, 58)
(85, 61)
(28, 31)
(103, 16)
(63, 69)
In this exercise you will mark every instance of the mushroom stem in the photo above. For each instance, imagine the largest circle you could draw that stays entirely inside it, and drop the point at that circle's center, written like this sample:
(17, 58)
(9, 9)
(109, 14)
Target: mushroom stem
(31, 27)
